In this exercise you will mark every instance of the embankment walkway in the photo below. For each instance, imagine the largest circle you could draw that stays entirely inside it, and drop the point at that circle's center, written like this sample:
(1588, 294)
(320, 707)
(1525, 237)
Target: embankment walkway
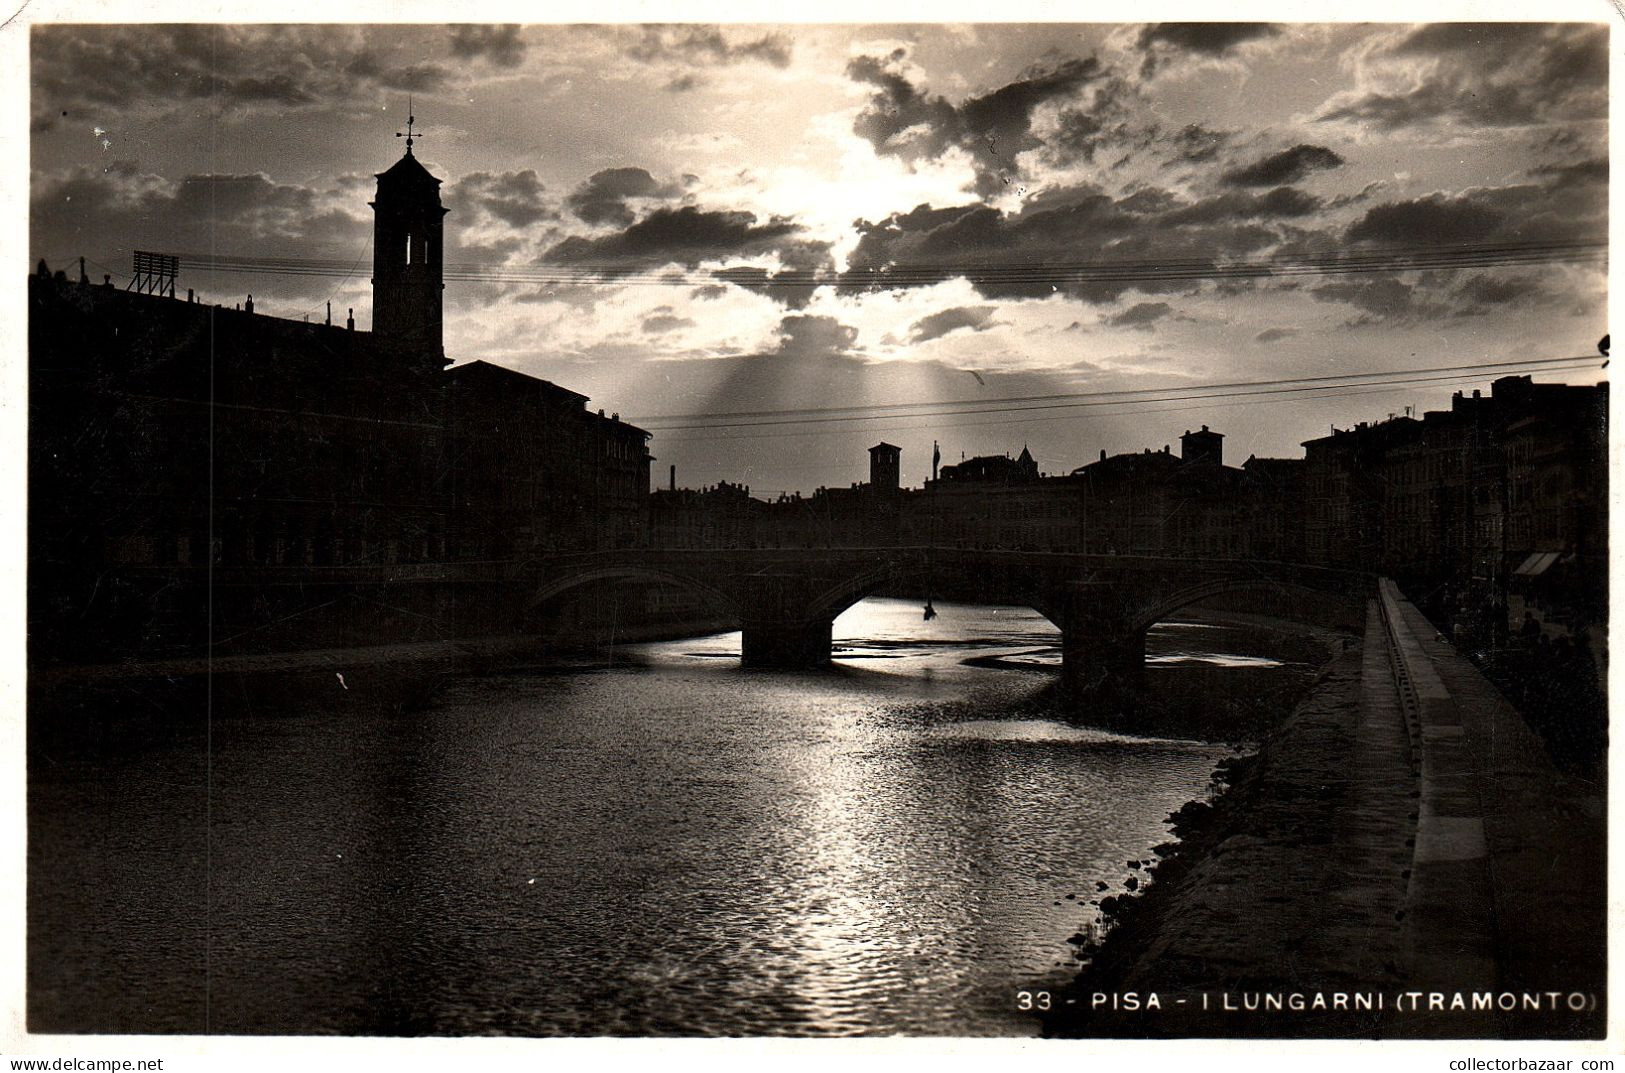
(1402, 832)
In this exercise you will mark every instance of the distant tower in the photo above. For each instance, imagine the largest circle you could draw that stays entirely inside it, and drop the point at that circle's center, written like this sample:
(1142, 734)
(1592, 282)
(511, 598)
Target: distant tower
(407, 247)
(885, 467)
(1202, 446)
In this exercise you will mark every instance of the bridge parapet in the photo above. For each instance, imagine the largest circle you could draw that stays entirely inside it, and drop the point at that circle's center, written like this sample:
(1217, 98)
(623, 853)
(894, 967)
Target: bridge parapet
(786, 599)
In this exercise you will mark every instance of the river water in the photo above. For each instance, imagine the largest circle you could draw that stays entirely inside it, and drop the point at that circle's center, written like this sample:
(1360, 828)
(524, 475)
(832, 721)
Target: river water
(663, 844)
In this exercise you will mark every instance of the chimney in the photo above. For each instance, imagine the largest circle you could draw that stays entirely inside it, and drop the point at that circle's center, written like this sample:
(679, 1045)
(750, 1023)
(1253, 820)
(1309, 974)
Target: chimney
(82, 277)
(329, 320)
(248, 307)
(190, 297)
(674, 476)
(1103, 454)
(349, 321)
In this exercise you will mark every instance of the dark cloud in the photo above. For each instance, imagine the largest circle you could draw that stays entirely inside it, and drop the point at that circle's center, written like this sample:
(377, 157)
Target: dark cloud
(495, 252)
(1077, 135)
(82, 69)
(1165, 41)
(1196, 144)
(1385, 298)
(689, 236)
(939, 324)
(1488, 75)
(603, 198)
(812, 336)
(708, 46)
(907, 122)
(685, 235)
(1147, 201)
(1364, 194)
(105, 214)
(1282, 202)
(1434, 294)
(664, 320)
(1275, 335)
(1484, 291)
(1565, 176)
(806, 265)
(997, 252)
(415, 77)
(1433, 219)
(1140, 316)
(516, 198)
(500, 45)
(1008, 255)
(1287, 166)
(1569, 206)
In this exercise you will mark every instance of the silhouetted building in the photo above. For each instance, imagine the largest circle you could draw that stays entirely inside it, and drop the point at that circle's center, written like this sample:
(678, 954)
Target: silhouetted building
(721, 516)
(1554, 553)
(995, 501)
(986, 469)
(1344, 493)
(1273, 491)
(1473, 502)
(537, 472)
(1153, 503)
(191, 464)
(885, 467)
(210, 477)
(1202, 447)
(1126, 502)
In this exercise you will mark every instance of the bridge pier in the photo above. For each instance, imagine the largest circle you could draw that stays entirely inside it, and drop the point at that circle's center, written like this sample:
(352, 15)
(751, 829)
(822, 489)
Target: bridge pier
(1092, 660)
(780, 629)
(1102, 646)
(789, 645)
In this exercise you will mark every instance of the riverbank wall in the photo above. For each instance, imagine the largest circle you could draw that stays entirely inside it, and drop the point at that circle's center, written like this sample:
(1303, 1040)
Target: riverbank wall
(1398, 860)
(83, 701)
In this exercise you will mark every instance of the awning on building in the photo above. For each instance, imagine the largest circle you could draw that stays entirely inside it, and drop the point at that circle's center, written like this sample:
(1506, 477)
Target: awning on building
(1537, 563)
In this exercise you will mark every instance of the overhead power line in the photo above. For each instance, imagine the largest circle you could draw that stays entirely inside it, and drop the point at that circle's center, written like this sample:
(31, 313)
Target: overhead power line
(1081, 400)
(894, 424)
(652, 272)
(1120, 392)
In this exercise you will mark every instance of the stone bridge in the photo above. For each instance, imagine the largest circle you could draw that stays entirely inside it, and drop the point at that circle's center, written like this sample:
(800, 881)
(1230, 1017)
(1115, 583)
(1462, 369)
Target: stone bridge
(786, 600)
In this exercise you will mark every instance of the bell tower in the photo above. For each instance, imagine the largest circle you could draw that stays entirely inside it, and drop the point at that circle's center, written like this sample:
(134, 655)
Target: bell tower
(407, 248)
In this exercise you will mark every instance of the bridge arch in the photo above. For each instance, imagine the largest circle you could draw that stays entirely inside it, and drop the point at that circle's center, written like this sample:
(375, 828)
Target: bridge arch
(552, 588)
(1164, 605)
(840, 597)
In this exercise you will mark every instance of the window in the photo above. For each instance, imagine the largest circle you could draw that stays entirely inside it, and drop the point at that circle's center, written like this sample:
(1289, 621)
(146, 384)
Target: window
(408, 249)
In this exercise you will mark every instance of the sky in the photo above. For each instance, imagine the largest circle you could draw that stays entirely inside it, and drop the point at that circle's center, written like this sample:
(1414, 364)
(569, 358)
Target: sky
(659, 197)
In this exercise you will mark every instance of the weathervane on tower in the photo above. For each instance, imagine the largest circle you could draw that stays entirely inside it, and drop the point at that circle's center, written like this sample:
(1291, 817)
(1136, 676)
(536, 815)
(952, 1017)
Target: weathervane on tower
(410, 119)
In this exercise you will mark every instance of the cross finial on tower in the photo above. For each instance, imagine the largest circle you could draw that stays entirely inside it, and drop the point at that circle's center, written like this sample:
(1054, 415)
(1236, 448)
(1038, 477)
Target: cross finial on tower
(410, 119)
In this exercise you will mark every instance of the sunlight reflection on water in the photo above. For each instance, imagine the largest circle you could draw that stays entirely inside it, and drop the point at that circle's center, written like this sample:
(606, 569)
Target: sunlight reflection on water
(669, 845)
